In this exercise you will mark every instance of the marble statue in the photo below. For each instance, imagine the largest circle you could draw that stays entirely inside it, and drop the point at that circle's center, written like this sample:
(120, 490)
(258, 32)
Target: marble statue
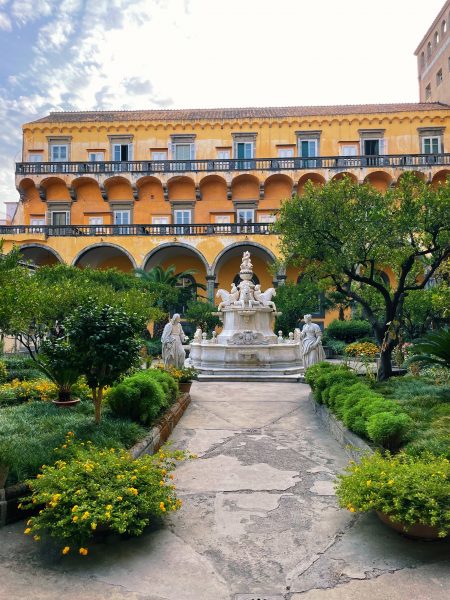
(264, 298)
(280, 337)
(198, 336)
(246, 264)
(172, 343)
(311, 341)
(228, 298)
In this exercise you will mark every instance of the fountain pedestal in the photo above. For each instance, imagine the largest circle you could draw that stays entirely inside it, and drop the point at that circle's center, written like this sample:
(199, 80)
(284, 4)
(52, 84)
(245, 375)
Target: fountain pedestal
(247, 349)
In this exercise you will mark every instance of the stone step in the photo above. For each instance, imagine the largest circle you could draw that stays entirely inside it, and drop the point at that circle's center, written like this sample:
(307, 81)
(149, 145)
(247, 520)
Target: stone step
(296, 378)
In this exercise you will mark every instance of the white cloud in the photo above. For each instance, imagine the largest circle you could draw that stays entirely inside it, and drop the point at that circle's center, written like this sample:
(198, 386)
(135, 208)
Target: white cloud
(5, 22)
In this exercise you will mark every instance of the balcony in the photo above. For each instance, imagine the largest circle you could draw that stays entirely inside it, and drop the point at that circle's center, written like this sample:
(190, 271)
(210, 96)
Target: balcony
(146, 167)
(138, 230)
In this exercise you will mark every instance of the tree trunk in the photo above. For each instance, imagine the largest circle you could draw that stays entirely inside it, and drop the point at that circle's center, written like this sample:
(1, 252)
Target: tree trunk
(385, 367)
(97, 396)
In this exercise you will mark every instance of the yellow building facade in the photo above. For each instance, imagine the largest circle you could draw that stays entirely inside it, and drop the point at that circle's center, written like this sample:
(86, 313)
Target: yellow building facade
(196, 188)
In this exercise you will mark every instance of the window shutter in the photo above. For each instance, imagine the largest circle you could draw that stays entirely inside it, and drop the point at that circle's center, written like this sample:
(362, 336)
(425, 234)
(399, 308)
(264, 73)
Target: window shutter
(67, 217)
(192, 151)
(130, 152)
(382, 146)
(170, 151)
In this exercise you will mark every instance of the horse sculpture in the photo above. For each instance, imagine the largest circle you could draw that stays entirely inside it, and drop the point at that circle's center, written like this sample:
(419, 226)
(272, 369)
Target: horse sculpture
(265, 297)
(227, 298)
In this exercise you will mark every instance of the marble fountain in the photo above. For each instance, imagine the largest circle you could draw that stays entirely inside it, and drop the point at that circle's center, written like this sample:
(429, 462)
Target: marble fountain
(247, 348)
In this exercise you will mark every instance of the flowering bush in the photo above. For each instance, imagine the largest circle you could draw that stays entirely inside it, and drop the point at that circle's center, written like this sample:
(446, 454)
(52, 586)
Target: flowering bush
(366, 349)
(408, 489)
(183, 375)
(91, 489)
(17, 392)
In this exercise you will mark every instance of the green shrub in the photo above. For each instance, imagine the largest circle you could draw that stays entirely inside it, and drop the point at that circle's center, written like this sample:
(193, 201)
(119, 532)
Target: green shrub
(349, 396)
(94, 489)
(430, 441)
(23, 374)
(353, 410)
(169, 383)
(153, 346)
(7, 396)
(312, 373)
(341, 376)
(388, 429)
(328, 377)
(409, 489)
(336, 346)
(349, 331)
(378, 404)
(29, 433)
(139, 398)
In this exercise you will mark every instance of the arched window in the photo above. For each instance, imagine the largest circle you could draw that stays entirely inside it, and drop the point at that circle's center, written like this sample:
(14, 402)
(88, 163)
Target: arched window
(429, 50)
(444, 27)
(422, 60)
(436, 38)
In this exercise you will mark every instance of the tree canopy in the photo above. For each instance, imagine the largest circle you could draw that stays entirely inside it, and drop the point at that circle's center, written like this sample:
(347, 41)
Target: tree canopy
(343, 234)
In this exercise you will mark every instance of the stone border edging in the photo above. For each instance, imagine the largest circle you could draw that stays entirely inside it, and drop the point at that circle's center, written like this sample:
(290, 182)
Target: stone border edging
(353, 445)
(158, 434)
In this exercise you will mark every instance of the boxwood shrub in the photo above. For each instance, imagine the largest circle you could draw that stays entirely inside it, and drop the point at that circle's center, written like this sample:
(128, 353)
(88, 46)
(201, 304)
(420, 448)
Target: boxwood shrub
(349, 331)
(139, 397)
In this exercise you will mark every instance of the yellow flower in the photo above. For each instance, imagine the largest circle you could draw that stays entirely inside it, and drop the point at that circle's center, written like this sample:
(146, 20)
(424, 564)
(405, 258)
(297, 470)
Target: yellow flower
(70, 433)
(162, 507)
(39, 476)
(133, 477)
(29, 522)
(369, 482)
(75, 508)
(66, 550)
(75, 519)
(27, 531)
(119, 498)
(107, 515)
(64, 446)
(37, 538)
(161, 483)
(93, 525)
(83, 551)
(108, 507)
(171, 476)
(133, 491)
(163, 472)
(390, 482)
(85, 515)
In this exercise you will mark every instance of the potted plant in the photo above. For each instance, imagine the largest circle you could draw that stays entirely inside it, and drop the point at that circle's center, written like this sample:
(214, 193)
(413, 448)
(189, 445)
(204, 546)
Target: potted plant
(408, 493)
(58, 362)
(184, 376)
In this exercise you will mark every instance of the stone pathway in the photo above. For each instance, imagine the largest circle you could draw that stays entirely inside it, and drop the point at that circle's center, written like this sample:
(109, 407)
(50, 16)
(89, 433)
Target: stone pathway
(259, 519)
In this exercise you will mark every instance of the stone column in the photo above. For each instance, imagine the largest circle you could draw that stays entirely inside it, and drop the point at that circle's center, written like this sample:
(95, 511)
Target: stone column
(210, 287)
(281, 279)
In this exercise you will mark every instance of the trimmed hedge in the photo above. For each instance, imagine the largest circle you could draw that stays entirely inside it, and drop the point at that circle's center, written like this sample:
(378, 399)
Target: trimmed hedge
(139, 397)
(349, 331)
(362, 410)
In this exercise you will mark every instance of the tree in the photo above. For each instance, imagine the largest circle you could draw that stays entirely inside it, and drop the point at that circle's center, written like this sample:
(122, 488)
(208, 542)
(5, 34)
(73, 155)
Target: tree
(201, 313)
(106, 341)
(294, 301)
(343, 233)
(32, 306)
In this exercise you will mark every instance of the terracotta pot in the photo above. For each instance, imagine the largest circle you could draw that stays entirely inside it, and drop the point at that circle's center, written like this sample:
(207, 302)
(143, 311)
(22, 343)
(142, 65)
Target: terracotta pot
(185, 387)
(66, 403)
(4, 470)
(417, 531)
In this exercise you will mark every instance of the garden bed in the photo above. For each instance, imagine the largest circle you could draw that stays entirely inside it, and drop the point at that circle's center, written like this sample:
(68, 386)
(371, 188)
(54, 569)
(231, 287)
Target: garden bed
(149, 444)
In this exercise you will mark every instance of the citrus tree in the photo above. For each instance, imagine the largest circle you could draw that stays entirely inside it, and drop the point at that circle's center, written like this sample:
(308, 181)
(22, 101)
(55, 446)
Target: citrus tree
(343, 233)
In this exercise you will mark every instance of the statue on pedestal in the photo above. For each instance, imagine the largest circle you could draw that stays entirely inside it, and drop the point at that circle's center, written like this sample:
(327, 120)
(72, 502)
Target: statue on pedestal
(311, 341)
(172, 340)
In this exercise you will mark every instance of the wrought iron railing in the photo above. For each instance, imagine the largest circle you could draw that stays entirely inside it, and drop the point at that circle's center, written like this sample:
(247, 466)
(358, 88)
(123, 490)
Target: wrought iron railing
(155, 230)
(406, 161)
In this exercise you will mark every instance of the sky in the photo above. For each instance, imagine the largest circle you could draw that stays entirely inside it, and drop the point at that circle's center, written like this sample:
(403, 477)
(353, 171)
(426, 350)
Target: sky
(140, 54)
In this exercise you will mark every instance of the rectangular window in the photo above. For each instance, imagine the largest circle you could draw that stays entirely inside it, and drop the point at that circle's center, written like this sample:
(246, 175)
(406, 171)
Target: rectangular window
(285, 152)
(223, 154)
(122, 217)
(439, 77)
(307, 148)
(96, 156)
(267, 218)
(160, 221)
(222, 219)
(38, 224)
(122, 152)
(159, 154)
(182, 217)
(244, 150)
(59, 153)
(431, 145)
(35, 157)
(245, 216)
(183, 151)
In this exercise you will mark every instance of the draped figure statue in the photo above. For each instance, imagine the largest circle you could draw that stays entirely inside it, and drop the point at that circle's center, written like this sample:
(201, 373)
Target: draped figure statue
(172, 343)
(311, 341)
